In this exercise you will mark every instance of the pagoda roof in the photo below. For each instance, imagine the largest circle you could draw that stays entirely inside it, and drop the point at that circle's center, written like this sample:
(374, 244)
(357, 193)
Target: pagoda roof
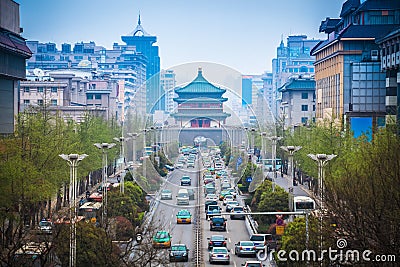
(200, 100)
(200, 85)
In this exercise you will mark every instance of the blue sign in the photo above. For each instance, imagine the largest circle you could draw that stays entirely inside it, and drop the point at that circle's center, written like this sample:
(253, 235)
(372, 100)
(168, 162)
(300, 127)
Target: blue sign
(249, 179)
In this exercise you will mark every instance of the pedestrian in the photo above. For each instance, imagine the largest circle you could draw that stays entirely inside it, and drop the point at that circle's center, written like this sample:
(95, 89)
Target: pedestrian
(118, 178)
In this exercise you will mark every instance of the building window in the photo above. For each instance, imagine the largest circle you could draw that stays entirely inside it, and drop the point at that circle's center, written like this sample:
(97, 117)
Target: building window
(304, 120)
(304, 107)
(54, 102)
(40, 102)
(26, 89)
(40, 89)
(304, 95)
(26, 102)
(54, 89)
(97, 96)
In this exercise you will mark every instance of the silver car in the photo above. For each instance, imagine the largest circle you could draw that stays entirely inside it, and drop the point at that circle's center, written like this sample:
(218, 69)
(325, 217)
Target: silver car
(219, 254)
(166, 194)
(245, 248)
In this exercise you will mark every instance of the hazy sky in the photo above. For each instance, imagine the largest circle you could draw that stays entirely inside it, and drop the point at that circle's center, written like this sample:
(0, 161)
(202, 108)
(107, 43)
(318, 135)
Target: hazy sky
(242, 34)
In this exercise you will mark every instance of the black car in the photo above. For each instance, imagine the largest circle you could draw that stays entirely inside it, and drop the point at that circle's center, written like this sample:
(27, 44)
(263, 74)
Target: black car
(179, 252)
(217, 223)
(216, 241)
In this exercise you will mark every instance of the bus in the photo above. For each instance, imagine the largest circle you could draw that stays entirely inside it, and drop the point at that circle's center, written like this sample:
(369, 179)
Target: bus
(303, 203)
(91, 211)
(268, 164)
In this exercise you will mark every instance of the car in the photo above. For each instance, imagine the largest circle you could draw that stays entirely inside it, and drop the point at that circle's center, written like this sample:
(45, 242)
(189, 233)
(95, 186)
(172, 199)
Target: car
(219, 254)
(211, 197)
(245, 248)
(169, 167)
(216, 241)
(217, 223)
(227, 198)
(209, 189)
(253, 264)
(230, 205)
(263, 240)
(223, 193)
(208, 180)
(185, 180)
(166, 194)
(162, 239)
(237, 213)
(45, 227)
(183, 216)
(190, 164)
(233, 192)
(191, 193)
(212, 210)
(209, 202)
(179, 165)
(179, 252)
(183, 197)
(225, 186)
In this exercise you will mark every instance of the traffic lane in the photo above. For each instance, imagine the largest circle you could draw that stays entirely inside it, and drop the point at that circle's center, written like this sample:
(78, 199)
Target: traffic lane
(166, 211)
(235, 231)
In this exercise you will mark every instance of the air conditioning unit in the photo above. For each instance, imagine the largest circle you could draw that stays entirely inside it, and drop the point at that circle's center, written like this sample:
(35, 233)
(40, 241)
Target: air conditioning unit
(374, 55)
(397, 58)
(393, 60)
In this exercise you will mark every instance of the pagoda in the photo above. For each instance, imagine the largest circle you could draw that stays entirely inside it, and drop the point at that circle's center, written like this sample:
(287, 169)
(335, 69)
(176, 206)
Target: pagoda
(200, 104)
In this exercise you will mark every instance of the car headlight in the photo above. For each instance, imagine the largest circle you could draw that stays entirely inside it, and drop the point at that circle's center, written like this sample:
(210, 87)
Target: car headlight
(184, 254)
(171, 254)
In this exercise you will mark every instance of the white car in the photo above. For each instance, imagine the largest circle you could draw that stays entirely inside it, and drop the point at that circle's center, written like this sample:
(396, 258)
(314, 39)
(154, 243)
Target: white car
(233, 192)
(227, 198)
(179, 165)
(212, 197)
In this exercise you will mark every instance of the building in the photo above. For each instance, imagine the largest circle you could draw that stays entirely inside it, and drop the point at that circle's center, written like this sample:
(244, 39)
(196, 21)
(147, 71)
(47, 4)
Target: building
(144, 43)
(351, 88)
(168, 83)
(390, 63)
(265, 101)
(200, 104)
(297, 107)
(292, 59)
(13, 53)
(73, 95)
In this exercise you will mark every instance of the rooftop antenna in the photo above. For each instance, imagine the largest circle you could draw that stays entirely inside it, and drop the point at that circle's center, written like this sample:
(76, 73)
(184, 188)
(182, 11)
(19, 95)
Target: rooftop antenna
(139, 22)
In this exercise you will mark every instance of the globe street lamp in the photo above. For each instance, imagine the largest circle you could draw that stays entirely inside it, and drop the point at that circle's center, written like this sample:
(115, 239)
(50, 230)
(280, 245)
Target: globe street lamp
(104, 147)
(322, 160)
(73, 162)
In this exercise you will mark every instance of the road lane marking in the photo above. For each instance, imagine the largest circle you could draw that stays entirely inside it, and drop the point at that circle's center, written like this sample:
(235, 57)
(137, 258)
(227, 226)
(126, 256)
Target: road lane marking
(229, 239)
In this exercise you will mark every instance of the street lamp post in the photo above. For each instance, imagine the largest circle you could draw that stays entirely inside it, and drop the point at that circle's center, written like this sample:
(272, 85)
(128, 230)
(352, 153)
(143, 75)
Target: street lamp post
(291, 150)
(322, 160)
(121, 140)
(104, 147)
(133, 136)
(274, 140)
(73, 161)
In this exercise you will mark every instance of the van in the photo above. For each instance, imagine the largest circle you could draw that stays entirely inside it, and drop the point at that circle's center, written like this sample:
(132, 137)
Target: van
(183, 197)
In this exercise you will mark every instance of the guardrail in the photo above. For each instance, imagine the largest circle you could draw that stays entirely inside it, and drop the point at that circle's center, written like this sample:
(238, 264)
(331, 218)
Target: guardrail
(253, 225)
(198, 228)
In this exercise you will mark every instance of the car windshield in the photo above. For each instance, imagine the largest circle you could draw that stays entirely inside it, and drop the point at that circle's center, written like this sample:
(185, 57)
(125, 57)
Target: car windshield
(178, 248)
(218, 220)
(257, 238)
(44, 223)
(185, 178)
(217, 238)
(184, 212)
(162, 235)
(238, 209)
(166, 191)
(253, 265)
(246, 243)
(232, 203)
(220, 250)
(213, 208)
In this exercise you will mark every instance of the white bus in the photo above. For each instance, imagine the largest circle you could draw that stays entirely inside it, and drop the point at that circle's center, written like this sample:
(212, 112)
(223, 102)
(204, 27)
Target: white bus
(303, 203)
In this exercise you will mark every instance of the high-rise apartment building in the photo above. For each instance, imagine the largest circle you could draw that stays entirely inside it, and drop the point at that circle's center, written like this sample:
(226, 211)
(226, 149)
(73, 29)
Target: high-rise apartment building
(168, 83)
(351, 88)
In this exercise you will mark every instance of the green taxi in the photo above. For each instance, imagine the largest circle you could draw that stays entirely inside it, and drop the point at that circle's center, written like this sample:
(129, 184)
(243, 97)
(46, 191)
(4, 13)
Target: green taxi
(183, 216)
(162, 239)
